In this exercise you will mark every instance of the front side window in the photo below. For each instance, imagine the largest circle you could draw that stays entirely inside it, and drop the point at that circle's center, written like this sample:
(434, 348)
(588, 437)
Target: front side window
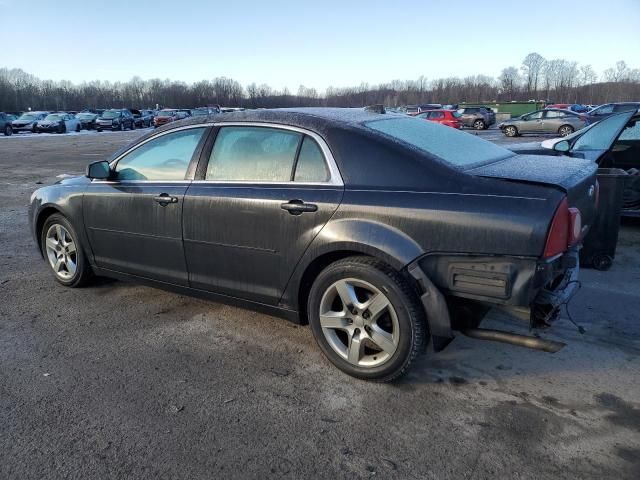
(436, 115)
(601, 136)
(604, 110)
(631, 131)
(533, 116)
(311, 166)
(257, 154)
(166, 157)
(554, 114)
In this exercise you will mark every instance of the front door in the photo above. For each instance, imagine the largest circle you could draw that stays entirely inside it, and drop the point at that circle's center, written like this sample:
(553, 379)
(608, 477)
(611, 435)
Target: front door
(266, 194)
(134, 221)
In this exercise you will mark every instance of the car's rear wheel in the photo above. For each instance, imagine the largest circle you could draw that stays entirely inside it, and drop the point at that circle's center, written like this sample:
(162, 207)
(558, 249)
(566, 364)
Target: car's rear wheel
(479, 125)
(8, 131)
(78, 128)
(133, 125)
(63, 252)
(366, 318)
(511, 131)
(565, 130)
(122, 126)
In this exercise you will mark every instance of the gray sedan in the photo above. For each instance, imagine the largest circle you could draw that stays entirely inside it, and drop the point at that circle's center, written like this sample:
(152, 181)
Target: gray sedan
(561, 122)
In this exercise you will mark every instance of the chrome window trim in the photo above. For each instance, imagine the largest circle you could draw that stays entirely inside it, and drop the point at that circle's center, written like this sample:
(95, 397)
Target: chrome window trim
(335, 179)
(334, 173)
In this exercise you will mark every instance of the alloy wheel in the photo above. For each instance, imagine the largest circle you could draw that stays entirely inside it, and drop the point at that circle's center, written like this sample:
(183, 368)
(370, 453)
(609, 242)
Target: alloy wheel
(359, 322)
(61, 251)
(510, 131)
(564, 131)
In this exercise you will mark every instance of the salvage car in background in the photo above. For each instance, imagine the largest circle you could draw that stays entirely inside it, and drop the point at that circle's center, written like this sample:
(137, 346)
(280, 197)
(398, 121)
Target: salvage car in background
(611, 143)
(375, 229)
(87, 120)
(115, 119)
(59, 122)
(165, 116)
(603, 111)
(27, 122)
(5, 124)
(142, 118)
(548, 121)
(479, 118)
(450, 118)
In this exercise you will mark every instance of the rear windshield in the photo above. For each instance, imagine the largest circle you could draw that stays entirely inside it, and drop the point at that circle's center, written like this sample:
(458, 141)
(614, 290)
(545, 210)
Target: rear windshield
(111, 114)
(459, 149)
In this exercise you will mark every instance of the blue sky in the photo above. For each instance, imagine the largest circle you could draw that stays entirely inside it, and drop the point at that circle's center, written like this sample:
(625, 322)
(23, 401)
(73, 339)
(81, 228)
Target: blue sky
(315, 43)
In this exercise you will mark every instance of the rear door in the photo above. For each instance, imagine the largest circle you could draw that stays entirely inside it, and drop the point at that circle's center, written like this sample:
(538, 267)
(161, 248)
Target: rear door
(134, 221)
(264, 193)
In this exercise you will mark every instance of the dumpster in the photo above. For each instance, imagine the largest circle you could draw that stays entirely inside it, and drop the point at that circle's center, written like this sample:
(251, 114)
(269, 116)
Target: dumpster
(599, 246)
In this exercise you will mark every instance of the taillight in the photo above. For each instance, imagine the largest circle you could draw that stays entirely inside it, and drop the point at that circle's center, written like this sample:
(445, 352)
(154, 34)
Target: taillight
(575, 226)
(565, 230)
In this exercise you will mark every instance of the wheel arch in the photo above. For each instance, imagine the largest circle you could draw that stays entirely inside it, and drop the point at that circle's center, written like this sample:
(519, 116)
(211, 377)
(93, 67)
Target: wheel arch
(43, 214)
(345, 238)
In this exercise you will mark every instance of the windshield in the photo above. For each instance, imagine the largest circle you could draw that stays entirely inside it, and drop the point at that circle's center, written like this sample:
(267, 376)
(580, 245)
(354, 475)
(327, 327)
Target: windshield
(53, 118)
(111, 114)
(29, 117)
(602, 134)
(84, 116)
(199, 111)
(457, 148)
(166, 113)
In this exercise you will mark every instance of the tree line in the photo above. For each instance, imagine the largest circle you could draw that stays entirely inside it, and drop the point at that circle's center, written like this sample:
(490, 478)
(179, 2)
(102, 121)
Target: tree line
(537, 78)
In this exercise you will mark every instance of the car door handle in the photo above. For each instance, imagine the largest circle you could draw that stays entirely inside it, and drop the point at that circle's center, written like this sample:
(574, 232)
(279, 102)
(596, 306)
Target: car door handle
(165, 199)
(296, 207)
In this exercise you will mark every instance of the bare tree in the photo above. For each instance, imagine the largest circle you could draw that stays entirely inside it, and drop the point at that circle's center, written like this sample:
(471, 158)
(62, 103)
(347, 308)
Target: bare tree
(509, 81)
(532, 68)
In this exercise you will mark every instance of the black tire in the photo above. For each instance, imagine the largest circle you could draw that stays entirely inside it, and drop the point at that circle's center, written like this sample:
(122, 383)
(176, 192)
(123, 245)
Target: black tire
(121, 128)
(98, 130)
(510, 131)
(565, 130)
(602, 262)
(78, 128)
(8, 131)
(62, 128)
(83, 273)
(133, 125)
(413, 332)
(479, 124)
(34, 129)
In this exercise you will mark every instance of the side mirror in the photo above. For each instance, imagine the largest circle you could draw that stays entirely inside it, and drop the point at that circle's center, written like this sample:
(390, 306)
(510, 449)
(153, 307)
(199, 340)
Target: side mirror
(562, 146)
(99, 170)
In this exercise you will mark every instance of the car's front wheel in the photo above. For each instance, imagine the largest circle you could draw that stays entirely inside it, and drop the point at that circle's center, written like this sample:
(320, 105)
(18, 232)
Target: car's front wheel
(366, 318)
(511, 131)
(63, 252)
(8, 131)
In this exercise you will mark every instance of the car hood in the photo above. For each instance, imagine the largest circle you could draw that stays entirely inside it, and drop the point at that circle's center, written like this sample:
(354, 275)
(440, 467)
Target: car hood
(73, 180)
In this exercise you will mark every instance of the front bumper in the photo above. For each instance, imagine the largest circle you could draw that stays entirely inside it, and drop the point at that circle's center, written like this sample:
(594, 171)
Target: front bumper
(23, 128)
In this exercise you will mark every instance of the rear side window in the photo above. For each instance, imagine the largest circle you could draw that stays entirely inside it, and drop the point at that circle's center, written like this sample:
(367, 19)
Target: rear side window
(436, 115)
(257, 154)
(458, 149)
(555, 114)
(311, 166)
(166, 157)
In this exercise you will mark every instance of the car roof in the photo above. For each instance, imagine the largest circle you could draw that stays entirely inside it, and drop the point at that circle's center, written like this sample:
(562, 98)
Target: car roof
(312, 118)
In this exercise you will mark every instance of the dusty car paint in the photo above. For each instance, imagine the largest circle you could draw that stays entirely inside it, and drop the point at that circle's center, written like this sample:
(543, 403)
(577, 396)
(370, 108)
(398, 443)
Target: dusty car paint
(235, 244)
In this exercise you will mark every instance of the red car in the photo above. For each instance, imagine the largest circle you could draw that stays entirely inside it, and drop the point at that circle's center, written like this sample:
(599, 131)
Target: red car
(165, 116)
(451, 118)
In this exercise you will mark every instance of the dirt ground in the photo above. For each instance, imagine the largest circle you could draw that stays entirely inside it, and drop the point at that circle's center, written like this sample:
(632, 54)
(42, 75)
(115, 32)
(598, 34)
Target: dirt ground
(123, 381)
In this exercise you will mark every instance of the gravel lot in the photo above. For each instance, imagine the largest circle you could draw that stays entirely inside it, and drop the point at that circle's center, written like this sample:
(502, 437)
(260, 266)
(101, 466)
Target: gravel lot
(122, 381)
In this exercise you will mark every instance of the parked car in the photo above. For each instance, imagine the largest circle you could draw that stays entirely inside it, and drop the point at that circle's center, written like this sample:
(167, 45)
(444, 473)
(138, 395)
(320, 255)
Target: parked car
(87, 120)
(603, 111)
(27, 122)
(375, 229)
(561, 122)
(611, 143)
(479, 117)
(143, 118)
(165, 116)
(59, 122)
(115, 119)
(5, 124)
(414, 110)
(450, 118)
(183, 113)
(204, 111)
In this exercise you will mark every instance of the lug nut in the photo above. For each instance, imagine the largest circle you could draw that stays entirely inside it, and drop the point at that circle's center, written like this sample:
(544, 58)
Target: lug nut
(366, 315)
(354, 312)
